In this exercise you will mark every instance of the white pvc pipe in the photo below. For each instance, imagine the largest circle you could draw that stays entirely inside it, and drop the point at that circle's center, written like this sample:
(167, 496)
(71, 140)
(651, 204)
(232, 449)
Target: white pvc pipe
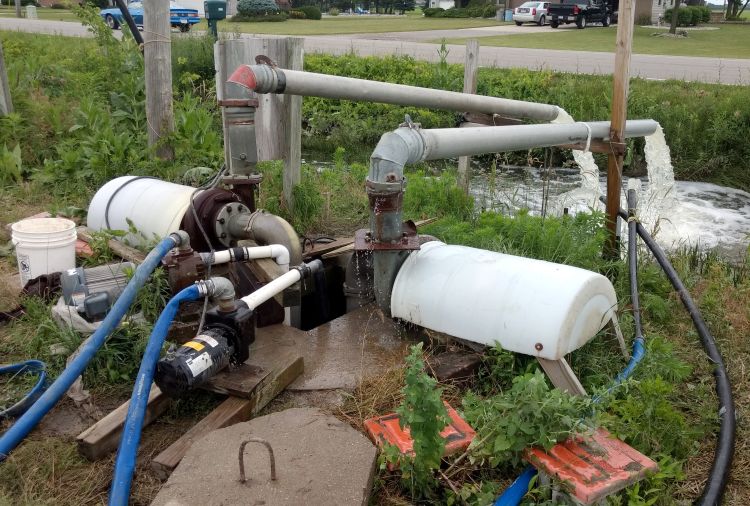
(273, 288)
(265, 79)
(278, 252)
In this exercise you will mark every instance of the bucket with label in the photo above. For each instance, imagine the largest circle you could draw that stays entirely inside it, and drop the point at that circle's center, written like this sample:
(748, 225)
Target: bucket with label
(44, 246)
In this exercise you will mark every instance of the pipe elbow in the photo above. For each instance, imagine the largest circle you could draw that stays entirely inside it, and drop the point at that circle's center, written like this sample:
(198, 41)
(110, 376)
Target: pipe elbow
(258, 78)
(217, 288)
(280, 254)
(394, 150)
(268, 229)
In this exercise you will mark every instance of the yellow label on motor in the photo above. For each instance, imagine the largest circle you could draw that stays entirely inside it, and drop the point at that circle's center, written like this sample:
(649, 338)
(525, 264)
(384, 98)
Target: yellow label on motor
(194, 345)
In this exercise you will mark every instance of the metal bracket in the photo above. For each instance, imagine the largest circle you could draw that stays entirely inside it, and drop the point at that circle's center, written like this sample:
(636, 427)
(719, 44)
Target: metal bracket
(238, 102)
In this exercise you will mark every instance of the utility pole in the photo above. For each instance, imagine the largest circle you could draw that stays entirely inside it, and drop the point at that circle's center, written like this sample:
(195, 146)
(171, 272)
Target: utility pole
(157, 54)
(621, 83)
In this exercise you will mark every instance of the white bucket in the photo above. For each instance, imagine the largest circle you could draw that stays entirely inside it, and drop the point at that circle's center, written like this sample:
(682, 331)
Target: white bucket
(44, 246)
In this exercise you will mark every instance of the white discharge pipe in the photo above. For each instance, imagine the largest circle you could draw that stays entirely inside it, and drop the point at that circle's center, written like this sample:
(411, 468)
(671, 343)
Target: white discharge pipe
(265, 79)
(278, 252)
(280, 284)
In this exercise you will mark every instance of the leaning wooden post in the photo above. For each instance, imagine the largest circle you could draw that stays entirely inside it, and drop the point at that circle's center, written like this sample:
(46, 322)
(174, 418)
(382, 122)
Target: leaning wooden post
(293, 130)
(621, 82)
(6, 106)
(471, 64)
(157, 54)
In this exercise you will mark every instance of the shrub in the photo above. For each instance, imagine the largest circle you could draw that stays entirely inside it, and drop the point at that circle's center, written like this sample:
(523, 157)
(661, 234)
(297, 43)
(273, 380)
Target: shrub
(431, 12)
(277, 17)
(251, 8)
(333, 11)
(685, 16)
(311, 11)
(295, 14)
(59, 6)
(454, 13)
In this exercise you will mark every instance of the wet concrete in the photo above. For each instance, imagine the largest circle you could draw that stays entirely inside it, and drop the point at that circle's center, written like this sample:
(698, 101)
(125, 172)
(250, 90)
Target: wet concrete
(339, 354)
(319, 460)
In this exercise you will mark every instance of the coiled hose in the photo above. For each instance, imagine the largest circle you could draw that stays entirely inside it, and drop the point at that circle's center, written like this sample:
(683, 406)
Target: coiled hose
(26, 423)
(26, 367)
(131, 434)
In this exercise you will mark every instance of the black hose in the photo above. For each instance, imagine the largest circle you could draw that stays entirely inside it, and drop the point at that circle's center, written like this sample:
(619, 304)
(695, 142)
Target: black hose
(722, 464)
(129, 20)
(633, 264)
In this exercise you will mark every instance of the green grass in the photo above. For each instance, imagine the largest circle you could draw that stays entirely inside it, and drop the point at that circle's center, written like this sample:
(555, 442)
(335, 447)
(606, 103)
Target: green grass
(42, 13)
(726, 42)
(352, 24)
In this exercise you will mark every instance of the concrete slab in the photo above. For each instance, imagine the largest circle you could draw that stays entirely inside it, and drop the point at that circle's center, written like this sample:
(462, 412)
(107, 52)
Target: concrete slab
(339, 354)
(319, 460)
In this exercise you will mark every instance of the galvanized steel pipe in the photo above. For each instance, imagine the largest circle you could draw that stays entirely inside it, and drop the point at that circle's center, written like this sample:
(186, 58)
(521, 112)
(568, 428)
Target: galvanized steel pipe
(266, 79)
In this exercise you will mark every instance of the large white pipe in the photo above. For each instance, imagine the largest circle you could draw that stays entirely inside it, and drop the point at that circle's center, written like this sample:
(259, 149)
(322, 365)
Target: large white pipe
(265, 79)
(278, 252)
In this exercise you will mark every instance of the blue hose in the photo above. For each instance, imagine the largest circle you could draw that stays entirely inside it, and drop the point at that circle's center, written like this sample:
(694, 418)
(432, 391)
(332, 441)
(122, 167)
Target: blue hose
(29, 366)
(26, 423)
(131, 434)
(515, 492)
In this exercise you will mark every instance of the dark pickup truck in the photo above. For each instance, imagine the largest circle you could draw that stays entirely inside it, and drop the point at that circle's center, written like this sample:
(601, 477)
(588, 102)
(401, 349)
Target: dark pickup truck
(580, 12)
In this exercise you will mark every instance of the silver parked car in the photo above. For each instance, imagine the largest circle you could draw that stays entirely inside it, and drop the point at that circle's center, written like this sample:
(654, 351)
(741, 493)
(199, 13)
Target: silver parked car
(531, 12)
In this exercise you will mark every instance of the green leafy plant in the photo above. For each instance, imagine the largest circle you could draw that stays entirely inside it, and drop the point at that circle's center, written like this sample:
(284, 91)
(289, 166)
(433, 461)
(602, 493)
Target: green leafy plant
(528, 414)
(422, 411)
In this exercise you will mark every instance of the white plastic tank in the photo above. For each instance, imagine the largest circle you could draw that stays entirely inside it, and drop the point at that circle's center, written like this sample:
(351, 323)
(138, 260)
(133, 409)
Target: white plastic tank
(154, 207)
(527, 306)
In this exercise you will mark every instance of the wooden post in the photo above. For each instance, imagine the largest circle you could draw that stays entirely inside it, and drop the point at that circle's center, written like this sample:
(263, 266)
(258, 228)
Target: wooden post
(6, 106)
(293, 130)
(471, 64)
(157, 54)
(621, 83)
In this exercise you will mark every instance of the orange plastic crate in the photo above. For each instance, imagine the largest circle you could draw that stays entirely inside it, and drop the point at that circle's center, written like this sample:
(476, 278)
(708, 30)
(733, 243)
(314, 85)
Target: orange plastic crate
(386, 429)
(592, 467)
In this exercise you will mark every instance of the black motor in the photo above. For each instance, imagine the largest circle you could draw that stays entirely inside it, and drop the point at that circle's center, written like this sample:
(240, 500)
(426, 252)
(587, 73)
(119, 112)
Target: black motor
(225, 339)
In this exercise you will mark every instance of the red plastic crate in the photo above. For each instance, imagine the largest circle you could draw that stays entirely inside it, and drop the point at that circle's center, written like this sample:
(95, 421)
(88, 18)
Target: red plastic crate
(592, 467)
(386, 429)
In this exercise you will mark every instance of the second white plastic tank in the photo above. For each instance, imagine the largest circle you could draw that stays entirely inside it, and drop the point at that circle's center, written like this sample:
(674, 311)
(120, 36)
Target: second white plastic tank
(154, 207)
(527, 306)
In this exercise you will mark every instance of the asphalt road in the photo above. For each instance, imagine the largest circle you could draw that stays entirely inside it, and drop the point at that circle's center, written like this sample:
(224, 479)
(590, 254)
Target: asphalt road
(708, 70)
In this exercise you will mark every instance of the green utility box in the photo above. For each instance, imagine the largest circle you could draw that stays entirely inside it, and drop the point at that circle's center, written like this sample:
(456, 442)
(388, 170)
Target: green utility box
(215, 9)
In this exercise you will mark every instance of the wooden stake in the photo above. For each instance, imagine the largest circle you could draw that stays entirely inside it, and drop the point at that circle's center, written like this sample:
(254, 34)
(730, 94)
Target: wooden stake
(471, 64)
(6, 106)
(293, 130)
(621, 82)
(157, 54)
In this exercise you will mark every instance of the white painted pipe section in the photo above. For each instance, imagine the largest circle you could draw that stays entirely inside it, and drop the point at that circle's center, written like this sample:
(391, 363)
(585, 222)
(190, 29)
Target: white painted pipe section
(452, 142)
(278, 252)
(273, 288)
(265, 79)
(527, 306)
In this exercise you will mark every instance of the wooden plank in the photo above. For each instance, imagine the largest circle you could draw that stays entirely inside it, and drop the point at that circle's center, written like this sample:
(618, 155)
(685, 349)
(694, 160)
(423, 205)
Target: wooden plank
(285, 369)
(620, 85)
(103, 437)
(293, 125)
(120, 249)
(157, 59)
(471, 64)
(562, 376)
(6, 105)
